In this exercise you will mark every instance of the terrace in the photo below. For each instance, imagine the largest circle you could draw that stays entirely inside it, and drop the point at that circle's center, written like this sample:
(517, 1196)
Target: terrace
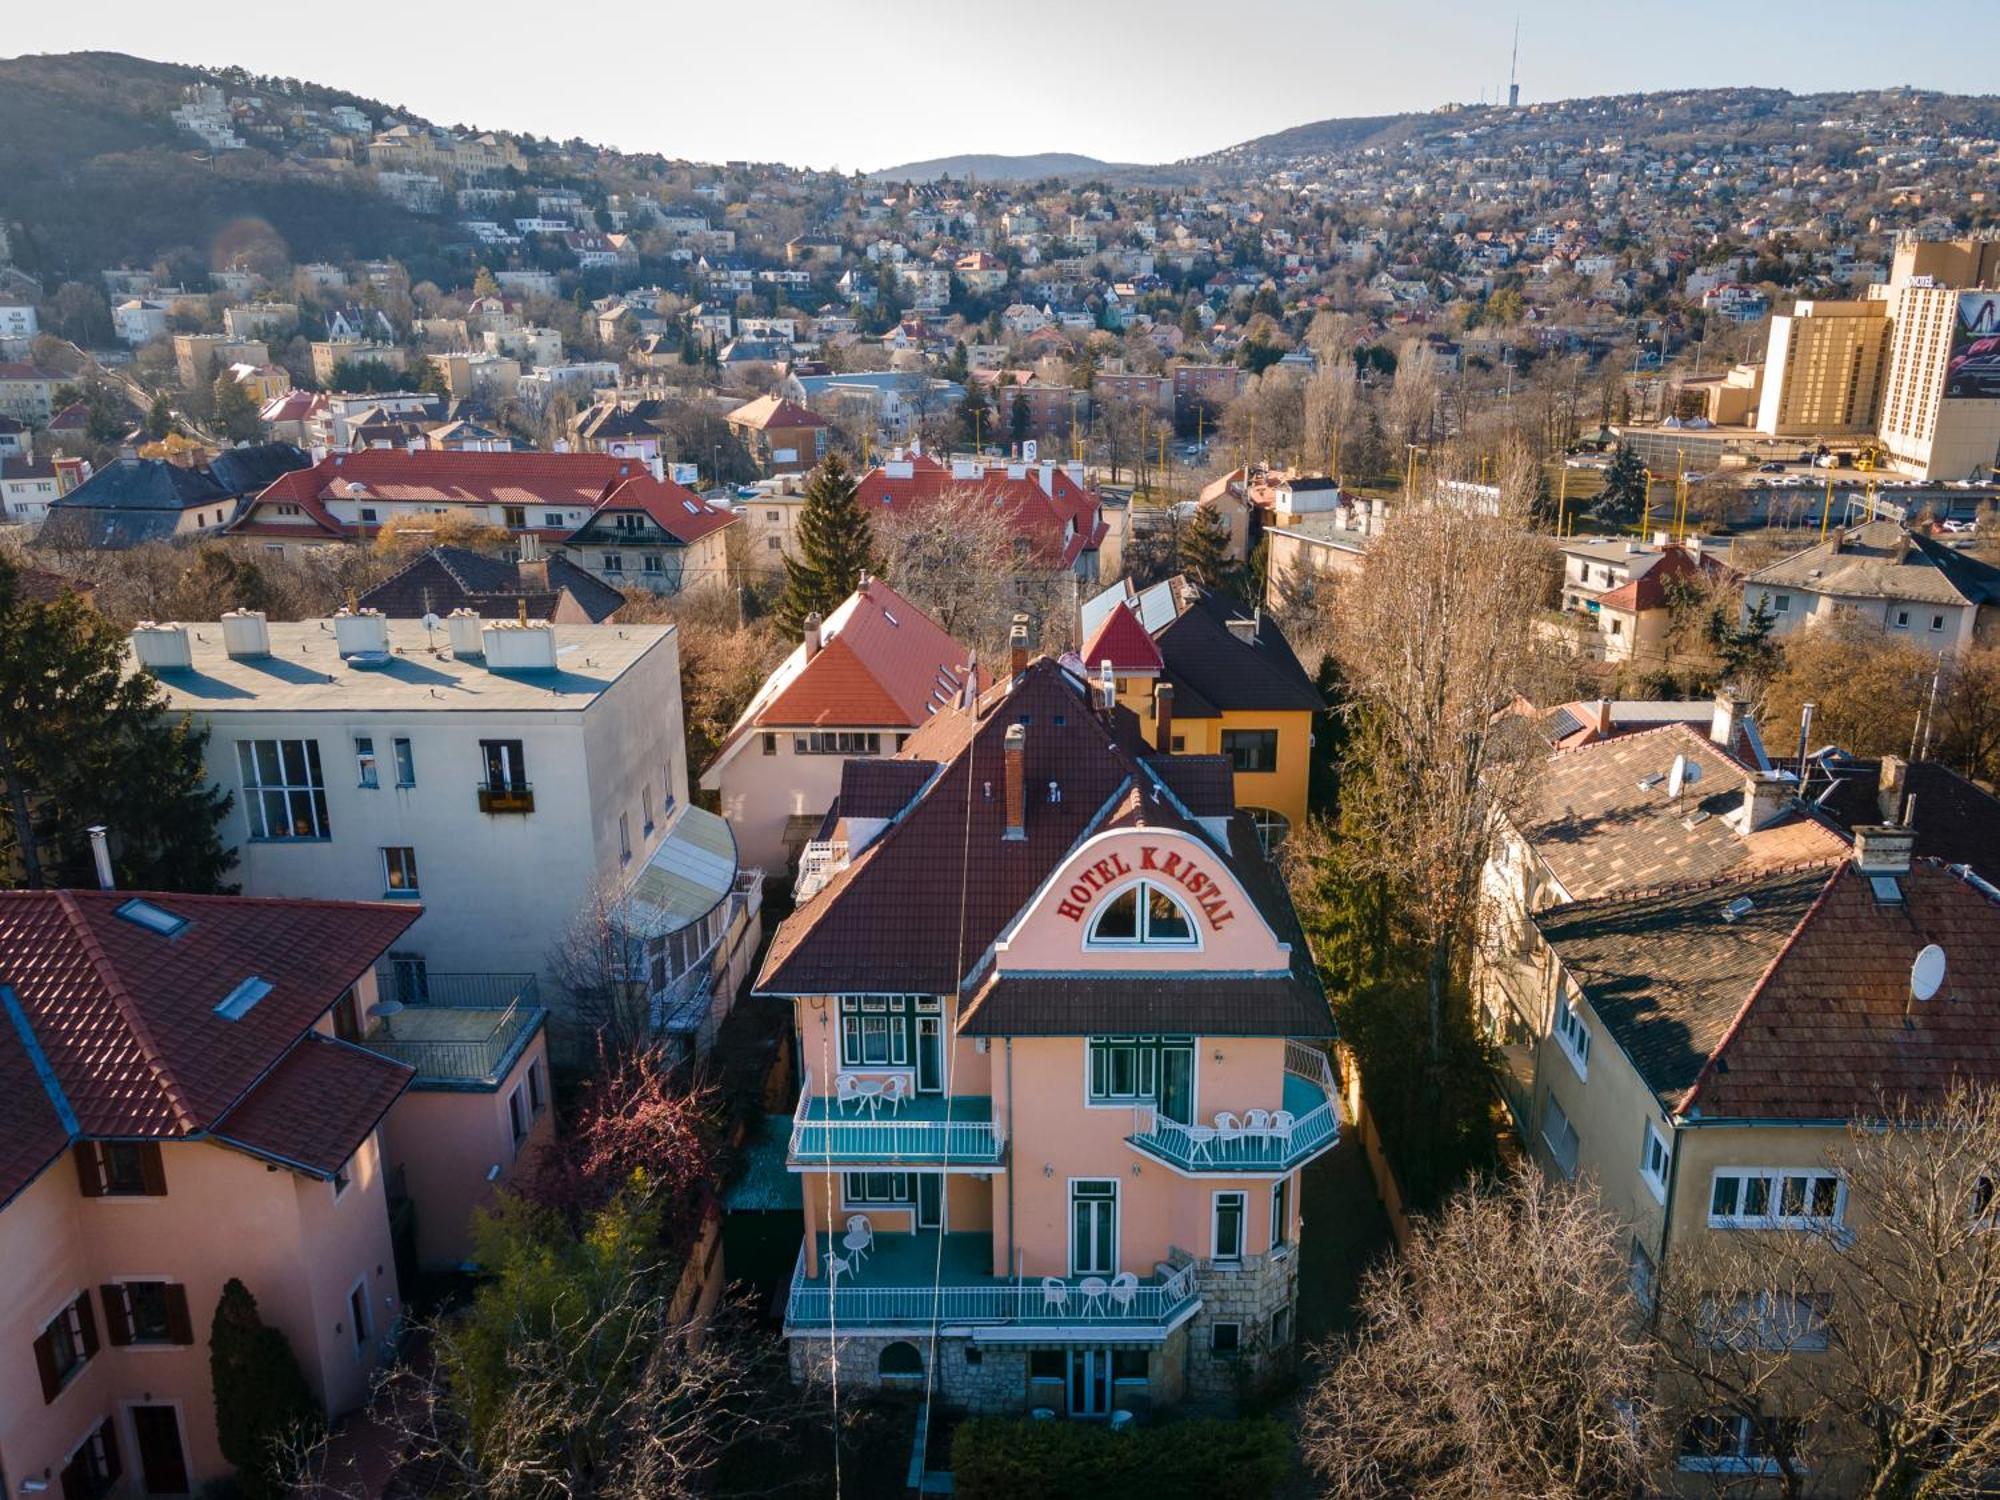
(907, 1280)
(1306, 1125)
(925, 1130)
(466, 1034)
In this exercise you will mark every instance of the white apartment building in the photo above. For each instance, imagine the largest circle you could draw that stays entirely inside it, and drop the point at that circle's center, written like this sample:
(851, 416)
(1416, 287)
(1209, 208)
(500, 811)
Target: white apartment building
(509, 776)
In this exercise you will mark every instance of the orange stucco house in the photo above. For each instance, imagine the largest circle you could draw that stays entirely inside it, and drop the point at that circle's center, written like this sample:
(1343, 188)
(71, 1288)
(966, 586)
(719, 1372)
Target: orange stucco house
(195, 1088)
(1063, 1050)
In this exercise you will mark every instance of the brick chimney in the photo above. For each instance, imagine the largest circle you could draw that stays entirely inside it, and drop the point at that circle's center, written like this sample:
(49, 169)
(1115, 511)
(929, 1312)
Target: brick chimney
(1597, 717)
(1883, 848)
(1766, 795)
(1163, 711)
(1017, 647)
(1728, 715)
(1889, 787)
(1017, 782)
(813, 623)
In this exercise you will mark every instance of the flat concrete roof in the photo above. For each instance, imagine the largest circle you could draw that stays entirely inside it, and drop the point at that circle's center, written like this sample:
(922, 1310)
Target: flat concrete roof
(304, 673)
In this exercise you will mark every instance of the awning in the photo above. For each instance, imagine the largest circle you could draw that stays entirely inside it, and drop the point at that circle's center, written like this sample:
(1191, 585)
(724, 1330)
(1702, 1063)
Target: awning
(689, 875)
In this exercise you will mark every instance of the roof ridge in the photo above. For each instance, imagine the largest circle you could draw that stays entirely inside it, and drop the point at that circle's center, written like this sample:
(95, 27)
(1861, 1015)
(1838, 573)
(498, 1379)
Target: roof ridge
(1736, 875)
(128, 1010)
(1742, 1016)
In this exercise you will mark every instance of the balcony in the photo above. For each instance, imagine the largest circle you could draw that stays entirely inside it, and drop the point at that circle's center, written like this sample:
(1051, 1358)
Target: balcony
(907, 1279)
(456, 1047)
(819, 862)
(926, 1131)
(1311, 1098)
(500, 798)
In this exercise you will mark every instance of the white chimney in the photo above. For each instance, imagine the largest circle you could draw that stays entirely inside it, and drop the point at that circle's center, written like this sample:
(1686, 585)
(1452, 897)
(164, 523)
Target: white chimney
(513, 646)
(464, 626)
(1727, 716)
(659, 468)
(359, 631)
(1074, 468)
(1766, 795)
(245, 634)
(162, 648)
(100, 853)
(1046, 476)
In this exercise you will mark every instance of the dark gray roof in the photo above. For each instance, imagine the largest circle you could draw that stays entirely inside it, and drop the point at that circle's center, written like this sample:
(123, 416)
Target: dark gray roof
(446, 578)
(136, 500)
(1213, 670)
(1092, 1004)
(1882, 560)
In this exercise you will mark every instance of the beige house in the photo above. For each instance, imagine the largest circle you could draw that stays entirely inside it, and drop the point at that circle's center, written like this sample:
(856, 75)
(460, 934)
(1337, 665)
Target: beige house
(1911, 586)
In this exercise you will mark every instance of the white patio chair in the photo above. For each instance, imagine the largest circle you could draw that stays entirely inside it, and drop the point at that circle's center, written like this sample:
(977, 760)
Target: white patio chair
(1227, 1131)
(860, 1236)
(895, 1089)
(1092, 1289)
(1055, 1293)
(836, 1267)
(1281, 1126)
(1257, 1121)
(1124, 1291)
(846, 1090)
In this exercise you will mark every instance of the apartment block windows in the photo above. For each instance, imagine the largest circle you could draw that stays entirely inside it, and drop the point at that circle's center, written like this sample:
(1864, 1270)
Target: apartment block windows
(1251, 749)
(284, 790)
(837, 742)
(367, 773)
(399, 872)
(1226, 1237)
(1775, 1198)
(120, 1169)
(1653, 1158)
(1574, 1037)
(146, 1312)
(406, 761)
(65, 1346)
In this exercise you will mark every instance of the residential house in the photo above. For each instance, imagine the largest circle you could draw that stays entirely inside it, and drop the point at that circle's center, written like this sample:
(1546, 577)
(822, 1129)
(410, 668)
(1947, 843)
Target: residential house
(193, 1095)
(137, 321)
(443, 580)
(1635, 619)
(200, 357)
(30, 485)
(857, 686)
(28, 392)
(1066, 960)
(514, 778)
(131, 501)
(651, 533)
(1206, 678)
(1911, 586)
(1057, 523)
(782, 436)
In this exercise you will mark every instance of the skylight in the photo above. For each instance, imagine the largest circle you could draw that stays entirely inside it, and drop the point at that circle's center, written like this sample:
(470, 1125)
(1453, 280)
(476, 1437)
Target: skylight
(236, 1004)
(155, 919)
(692, 508)
(1741, 907)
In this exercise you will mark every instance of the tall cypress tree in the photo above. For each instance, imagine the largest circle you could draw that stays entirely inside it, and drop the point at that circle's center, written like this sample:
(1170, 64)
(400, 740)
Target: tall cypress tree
(262, 1401)
(836, 546)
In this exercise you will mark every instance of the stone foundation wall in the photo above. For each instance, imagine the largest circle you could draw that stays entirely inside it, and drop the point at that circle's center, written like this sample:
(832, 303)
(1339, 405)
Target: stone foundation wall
(1249, 1296)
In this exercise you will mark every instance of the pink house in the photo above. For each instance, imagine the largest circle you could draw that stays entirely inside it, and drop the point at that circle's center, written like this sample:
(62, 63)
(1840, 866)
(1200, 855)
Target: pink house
(1063, 1050)
(186, 1096)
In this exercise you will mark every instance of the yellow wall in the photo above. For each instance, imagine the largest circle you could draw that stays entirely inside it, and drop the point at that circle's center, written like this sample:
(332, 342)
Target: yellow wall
(1282, 790)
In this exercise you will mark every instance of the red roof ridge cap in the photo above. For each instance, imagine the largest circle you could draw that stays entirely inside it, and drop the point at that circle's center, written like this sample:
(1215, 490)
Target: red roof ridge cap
(1742, 1015)
(128, 1011)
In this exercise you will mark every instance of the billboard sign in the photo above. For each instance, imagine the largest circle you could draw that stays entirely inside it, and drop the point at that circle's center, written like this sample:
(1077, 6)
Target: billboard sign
(1972, 368)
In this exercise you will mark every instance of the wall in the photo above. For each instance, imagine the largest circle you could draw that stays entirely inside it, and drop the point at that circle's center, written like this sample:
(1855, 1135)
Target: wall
(759, 791)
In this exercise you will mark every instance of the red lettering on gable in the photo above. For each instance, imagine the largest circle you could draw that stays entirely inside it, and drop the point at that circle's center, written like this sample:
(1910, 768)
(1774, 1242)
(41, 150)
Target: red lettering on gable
(1146, 861)
(1071, 910)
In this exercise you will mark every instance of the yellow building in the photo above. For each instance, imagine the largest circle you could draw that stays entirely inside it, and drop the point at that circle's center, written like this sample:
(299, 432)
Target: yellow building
(1823, 368)
(1207, 678)
(1929, 429)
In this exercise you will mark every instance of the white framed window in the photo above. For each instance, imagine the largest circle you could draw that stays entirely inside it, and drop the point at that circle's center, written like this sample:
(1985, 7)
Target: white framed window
(406, 761)
(1559, 1135)
(368, 774)
(1642, 1274)
(1937, 622)
(1781, 604)
(1226, 1227)
(284, 790)
(837, 742)
(1574, 1037)
(877, 1189)
(1776, 1198)
(1653, 1158)
(1093, 1226)
(1902, 619)
(1143, 915)
(1795, 1322)
(1281, 1214)
(1727, 1443)
(399, 872)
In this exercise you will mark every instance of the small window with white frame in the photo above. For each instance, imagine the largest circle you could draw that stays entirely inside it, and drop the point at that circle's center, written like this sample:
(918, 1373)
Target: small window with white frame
(1574, 1036)
(1142, 915)
(876, 1190)
(1654, 1155)
(1559, 1135)
(367, 771)
(1227, 1228)
(1775, 1198)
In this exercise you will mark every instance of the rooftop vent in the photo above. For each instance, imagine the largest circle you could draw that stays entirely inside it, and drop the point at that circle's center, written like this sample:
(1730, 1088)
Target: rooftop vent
(163, 648)
(237, 1003)
(245, 634)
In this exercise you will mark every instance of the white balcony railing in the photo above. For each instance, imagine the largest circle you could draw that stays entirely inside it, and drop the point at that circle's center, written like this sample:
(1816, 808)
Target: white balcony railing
(818, 1301)
(819, 862)
(1272, 1149)
(916, 1133)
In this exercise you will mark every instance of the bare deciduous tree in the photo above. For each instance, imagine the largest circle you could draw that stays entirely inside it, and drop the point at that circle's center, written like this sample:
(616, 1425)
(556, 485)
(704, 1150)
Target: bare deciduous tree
(1332, 407)
(959, 560)
(1501, 1356)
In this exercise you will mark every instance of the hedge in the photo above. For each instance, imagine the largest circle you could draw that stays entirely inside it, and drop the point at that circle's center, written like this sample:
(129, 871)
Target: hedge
(1002, 1458)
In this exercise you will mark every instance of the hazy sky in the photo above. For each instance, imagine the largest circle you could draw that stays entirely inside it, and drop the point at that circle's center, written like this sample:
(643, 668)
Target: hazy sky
(872, 83)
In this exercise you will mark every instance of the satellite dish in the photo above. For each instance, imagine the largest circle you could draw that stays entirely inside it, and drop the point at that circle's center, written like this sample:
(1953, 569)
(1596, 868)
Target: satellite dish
(1677, 776)
(431, 622)
(1927, 972)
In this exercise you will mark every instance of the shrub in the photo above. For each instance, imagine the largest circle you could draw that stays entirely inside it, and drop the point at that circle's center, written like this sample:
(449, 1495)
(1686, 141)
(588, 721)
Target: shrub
(262, 1401)
(1001, 1458)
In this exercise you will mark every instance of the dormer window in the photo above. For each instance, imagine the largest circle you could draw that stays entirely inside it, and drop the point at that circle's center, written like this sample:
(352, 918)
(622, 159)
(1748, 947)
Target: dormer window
(1142, 915)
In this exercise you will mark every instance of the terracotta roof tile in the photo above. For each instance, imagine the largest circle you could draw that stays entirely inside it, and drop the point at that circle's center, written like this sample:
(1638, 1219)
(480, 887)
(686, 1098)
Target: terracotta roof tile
(883, 662)
(1122, 641)
(317, 1105)
(1058, 524)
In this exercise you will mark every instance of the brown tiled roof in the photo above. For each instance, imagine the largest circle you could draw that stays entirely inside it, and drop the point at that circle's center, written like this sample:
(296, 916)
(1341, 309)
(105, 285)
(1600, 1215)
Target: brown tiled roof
(883, 662)
(1599, 831)
(316, 1105)
(1018, 1004)
(116, 1027)
(1206, 784)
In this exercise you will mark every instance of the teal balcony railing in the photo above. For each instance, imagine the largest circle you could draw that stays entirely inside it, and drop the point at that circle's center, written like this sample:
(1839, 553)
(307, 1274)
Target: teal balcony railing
(1306, 1124)
(925, 1130)
(908, 1280)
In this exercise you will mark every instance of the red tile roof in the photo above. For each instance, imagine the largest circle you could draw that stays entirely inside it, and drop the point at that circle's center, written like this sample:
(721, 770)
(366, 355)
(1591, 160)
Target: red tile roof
(114, 1027)
(678, 511)
(457, 477)
(882, 661)
(773, 411)
(1123, 641)
(310, 1110)
(1058, 524)
(1649, 589)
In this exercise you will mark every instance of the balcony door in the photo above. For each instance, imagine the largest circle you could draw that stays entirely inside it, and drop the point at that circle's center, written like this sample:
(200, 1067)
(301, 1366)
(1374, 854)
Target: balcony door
(930, 1200)
(1089, 1382)
(1177, 1084)
(506, 766)
(930, 1053)
(1093, 1233)
(162, 1463)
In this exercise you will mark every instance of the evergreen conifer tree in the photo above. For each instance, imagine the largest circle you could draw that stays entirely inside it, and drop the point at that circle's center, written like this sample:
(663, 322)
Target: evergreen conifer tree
(1203, 551)
(836, 546)
(262, 1401)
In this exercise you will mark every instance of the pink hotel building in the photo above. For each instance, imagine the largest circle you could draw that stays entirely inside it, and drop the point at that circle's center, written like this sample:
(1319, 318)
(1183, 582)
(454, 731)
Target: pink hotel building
(1064, 1056)
(195, 1088)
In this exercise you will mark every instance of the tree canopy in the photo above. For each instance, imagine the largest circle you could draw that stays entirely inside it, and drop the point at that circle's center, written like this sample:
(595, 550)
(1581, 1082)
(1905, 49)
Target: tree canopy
(836, 546)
